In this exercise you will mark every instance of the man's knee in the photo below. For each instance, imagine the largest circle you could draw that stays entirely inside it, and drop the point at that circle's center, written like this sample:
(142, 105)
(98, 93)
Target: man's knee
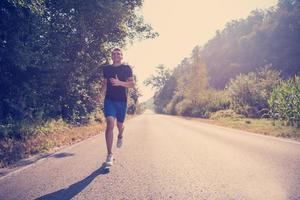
(120, 124)
(110, 123)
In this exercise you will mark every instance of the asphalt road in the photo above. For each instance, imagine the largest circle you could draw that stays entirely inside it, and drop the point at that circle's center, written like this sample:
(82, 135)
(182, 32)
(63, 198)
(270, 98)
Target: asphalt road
(165, 157)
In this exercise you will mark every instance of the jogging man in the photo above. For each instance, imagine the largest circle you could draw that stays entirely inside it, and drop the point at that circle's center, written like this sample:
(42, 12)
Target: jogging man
(117, 78)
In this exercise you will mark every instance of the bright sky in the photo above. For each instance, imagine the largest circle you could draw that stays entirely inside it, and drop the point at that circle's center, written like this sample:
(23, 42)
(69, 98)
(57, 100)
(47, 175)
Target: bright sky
(181, 26)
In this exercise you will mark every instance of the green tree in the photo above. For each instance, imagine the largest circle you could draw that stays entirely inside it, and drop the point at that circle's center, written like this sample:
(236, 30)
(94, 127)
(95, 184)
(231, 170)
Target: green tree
(185, 92)
(265, 37)
(51, 54)
(158, 80)
(161, 83)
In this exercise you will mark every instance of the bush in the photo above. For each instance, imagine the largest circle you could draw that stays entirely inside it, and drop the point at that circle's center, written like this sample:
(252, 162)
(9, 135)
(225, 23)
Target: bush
(23, 130)
(184, 107)
(171, 106)
(202, 106)
(225, 114)
(285, 101)
(249, 93)
(217, 100)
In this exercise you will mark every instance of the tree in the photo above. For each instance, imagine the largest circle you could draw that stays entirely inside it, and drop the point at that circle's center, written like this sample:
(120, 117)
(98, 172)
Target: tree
(158, 80)
(51, 54)
(182, 93)
(265, 37)
(197, 79)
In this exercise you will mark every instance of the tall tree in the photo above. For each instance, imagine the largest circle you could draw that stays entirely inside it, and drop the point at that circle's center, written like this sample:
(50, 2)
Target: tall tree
(51, 53)
(264, 37)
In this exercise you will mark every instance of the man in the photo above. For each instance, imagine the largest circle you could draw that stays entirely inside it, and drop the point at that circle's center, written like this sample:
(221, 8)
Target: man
(117, 78)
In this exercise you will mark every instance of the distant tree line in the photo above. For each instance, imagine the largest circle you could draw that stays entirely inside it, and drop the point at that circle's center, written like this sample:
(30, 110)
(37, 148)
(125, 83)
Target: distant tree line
(50, 57)
(265, 37)
(245, 68)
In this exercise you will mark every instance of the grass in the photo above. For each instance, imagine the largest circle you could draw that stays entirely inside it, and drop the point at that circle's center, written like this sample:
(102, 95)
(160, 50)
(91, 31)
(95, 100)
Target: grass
(262, 126)
(47, 139)
(259, 126)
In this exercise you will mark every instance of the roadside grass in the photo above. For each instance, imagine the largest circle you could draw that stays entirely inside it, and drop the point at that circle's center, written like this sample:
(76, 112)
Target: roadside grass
(46, 138)
(49, 138)
(269, 127)
(262, 126)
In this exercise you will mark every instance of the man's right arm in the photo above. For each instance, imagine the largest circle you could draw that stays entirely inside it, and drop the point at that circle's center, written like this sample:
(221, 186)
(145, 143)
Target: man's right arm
(102, 91)
(104, 84)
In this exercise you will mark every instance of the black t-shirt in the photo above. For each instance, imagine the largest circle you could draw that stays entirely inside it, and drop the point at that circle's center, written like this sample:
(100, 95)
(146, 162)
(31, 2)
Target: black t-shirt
(116, 93)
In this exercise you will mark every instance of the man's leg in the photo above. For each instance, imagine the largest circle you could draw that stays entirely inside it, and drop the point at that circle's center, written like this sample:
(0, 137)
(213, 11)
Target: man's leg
(121, 113)
(109, 133)
(120, 126)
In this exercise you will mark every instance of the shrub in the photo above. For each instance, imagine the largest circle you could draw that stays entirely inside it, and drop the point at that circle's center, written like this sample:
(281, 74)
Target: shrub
(225, 114)
(171, 106)
(202, 105)
(249, 93)
(285, 101)
(184, 107)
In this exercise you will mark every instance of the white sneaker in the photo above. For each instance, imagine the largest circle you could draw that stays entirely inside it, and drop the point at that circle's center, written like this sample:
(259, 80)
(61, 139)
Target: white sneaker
(120, 142)
(109, 160)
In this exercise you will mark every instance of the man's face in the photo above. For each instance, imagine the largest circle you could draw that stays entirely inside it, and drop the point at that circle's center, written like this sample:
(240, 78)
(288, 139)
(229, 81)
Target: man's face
(117, 56)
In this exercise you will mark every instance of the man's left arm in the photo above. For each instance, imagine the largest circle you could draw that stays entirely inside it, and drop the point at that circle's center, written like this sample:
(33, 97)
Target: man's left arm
(127, 84)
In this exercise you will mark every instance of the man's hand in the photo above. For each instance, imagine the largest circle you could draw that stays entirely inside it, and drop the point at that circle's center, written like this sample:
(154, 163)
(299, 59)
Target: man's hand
(116, 81)
(127, 84)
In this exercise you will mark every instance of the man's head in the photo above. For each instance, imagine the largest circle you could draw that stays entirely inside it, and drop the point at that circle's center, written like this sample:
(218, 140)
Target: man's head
(117, 56)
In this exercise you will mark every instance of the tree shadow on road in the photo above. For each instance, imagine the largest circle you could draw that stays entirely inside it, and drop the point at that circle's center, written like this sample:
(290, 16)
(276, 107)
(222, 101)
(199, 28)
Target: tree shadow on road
(74, 189)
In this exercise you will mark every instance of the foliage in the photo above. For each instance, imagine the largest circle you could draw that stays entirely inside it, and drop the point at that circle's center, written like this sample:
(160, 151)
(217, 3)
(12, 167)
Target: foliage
(193, 82)
(161, 83)
(186, 91)
(265, 37)
(285, 101)
(233, 60)
(204, 105)
(158, 80)
(184, 107)
(163, 96)
(249, 93)
(53, 133)
(221, 114)
(51, 54)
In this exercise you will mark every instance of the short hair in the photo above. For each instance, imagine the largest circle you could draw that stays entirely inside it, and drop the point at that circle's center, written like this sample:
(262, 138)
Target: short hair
(116, 49)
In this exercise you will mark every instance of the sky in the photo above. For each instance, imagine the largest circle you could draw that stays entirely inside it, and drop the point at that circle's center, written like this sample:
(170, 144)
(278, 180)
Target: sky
(181, 26)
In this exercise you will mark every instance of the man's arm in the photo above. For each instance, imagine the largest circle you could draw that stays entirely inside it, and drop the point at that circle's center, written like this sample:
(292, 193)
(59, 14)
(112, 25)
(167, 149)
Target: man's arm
(104, 84)
(128, 84)
(102, 90)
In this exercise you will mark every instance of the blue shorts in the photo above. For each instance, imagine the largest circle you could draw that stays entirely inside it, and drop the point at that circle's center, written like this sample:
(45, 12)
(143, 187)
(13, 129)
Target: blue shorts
(116, 109)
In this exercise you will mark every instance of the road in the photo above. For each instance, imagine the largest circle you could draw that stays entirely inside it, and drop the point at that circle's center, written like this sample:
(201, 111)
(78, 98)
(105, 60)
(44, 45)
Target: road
(165, 157)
